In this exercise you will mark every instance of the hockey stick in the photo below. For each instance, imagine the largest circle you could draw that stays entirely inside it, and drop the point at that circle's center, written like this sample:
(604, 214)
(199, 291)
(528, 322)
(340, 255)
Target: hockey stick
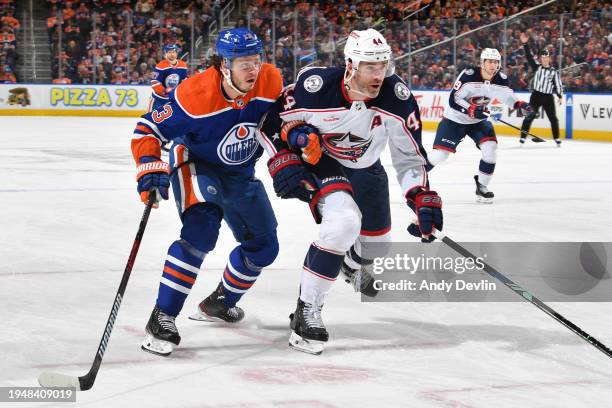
(85, 382)
(535, 138)
(526, 295)
(572, 68)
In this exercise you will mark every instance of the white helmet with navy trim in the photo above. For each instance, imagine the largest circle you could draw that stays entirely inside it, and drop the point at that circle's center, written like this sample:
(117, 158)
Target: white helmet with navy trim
(490, 54)
(367, 45)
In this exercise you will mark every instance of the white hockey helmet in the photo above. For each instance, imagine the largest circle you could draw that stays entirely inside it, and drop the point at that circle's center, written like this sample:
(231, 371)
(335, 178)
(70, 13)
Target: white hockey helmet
(367, 45)
(490, 54)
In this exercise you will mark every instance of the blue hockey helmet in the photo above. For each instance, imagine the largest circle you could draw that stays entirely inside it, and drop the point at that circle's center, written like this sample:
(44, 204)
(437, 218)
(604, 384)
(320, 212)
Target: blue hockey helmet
(238, 42)
(171, 47)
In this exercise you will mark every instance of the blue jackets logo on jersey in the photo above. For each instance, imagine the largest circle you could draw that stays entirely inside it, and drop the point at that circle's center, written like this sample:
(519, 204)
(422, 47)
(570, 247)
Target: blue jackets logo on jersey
(239, 144)
(345, 146)
(479, 100)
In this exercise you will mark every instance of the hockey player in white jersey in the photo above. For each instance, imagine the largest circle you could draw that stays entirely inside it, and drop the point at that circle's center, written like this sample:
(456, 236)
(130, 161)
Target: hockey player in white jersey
(466, 113)
(325, 136)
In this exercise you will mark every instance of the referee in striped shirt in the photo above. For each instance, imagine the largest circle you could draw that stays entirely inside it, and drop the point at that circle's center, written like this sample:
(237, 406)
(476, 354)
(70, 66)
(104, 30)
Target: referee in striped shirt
(546, 85)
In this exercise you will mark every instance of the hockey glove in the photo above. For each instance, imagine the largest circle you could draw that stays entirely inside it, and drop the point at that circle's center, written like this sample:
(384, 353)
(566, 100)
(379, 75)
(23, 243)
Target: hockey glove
(153, 174)
(524, 108)
(300, 135)
(478, 112)
(289, 177)
(427, 206)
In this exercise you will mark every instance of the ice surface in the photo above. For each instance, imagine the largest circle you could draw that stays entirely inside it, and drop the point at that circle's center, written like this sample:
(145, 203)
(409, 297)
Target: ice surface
(69, 213)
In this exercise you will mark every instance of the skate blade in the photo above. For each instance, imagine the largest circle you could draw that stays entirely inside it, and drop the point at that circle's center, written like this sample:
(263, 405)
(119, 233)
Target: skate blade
(157, 346)
(203, 317)
(484, 200)
(306, 346)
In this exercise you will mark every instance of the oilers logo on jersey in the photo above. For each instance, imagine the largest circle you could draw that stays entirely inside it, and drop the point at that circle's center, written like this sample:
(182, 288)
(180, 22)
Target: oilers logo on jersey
(172, 81)
(345, 146)
(239, 144)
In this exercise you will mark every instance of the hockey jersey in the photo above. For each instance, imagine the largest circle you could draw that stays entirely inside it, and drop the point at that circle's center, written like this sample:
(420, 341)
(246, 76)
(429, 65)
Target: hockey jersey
(471, 89)
(354, 132)
(215, 129)
(167, 76)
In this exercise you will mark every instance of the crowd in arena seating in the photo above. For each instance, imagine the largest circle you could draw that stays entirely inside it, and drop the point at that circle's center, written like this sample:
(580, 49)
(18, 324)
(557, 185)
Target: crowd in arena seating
(130, 34)
(586, 38)
(9, 27)
(120, 41)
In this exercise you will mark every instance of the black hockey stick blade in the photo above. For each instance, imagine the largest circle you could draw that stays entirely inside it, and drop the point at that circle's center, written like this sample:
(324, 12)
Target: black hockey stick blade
(533, 137)
(85, 382)
(527, 296)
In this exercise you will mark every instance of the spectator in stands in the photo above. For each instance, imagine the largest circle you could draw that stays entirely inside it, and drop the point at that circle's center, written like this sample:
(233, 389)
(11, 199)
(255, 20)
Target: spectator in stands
(136, 79)
(62, 80)
(586, 36)
(11, 21)
(6, 77)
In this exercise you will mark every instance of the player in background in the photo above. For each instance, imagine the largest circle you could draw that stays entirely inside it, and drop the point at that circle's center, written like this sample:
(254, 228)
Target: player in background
(211, 120)
(325, 135)
(466, 113)
(166, 76)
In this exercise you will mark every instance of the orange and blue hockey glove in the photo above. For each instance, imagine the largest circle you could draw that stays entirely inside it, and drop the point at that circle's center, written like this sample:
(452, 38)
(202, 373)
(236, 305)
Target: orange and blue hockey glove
(299, 135)
(153, 174)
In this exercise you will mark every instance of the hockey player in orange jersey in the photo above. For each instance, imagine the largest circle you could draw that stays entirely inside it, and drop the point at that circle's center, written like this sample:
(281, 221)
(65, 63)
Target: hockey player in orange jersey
(211, 120)
(166, 76)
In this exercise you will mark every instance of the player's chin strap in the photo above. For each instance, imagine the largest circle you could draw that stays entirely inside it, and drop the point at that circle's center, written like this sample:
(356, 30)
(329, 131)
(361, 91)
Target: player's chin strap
(228, 77)
(351, 74)
(348, 88)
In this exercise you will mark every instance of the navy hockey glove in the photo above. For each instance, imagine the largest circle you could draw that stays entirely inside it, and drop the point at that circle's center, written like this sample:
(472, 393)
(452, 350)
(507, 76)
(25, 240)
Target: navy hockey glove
(153, 174)
(427, 206)
(289, 176)
(478, 112)
(524, 108)
(300, 135)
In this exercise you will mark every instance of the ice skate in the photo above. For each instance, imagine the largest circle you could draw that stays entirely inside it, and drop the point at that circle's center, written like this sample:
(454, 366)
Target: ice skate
(360, 279)
(162, 334)
(558, 143)
(483, 195)
(213, 309)
(308, 331)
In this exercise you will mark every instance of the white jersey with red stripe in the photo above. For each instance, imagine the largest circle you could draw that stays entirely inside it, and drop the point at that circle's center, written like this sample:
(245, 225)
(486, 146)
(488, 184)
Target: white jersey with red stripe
(354, 133)
(471, 88)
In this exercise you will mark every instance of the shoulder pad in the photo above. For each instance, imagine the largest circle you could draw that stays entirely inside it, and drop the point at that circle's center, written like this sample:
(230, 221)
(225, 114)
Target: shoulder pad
(163, 64)
(269, 83)
(471, 74)
(305, 69)
(395, 97)
(500, 79)
(394, 87)
(199, 95)
(314, 79)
